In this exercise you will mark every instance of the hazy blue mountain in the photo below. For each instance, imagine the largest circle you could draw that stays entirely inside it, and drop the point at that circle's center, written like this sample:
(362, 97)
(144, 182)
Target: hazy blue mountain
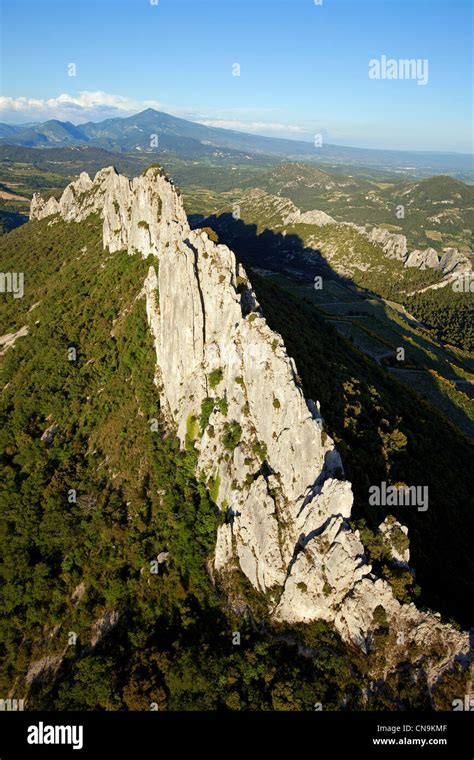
(188, 139)
(7, 130)
(52, 132)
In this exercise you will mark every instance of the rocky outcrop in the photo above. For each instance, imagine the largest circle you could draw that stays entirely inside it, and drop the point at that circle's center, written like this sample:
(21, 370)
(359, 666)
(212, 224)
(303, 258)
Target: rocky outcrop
(281, 211)
(49, 434)
(395, 538)
(427, 259)
(39, 669)
(232, 393)
(454, 263)
(103, 625)
(394, 246)
(137, 215)
(320, 218)
(8, 341)
(276, 209)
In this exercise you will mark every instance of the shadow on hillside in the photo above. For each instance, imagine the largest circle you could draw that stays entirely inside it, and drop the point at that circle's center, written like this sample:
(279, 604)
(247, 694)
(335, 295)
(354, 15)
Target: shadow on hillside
(289, 256)
(10, 220)
(286, 254)
(328, 363)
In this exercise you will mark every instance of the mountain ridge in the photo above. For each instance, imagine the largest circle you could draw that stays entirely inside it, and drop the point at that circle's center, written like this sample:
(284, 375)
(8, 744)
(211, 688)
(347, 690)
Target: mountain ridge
(117, 134)
(233, 394)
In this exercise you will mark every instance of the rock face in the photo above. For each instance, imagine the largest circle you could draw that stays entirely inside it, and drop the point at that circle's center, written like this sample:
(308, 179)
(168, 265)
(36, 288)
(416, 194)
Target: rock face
(103, 625)
(137, 215)
(8, 341)
(49, 434)
(230, 390)
(282, 211)
(427, 259)
(454, 263)
(394, 246)
(396, 539)
(320, 218)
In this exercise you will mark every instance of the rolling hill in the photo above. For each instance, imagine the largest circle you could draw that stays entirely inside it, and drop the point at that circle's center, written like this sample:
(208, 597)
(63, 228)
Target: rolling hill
(437, 210)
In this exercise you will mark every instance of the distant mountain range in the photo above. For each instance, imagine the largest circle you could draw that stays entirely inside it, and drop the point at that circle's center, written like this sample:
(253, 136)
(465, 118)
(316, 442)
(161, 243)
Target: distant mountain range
(160, 133)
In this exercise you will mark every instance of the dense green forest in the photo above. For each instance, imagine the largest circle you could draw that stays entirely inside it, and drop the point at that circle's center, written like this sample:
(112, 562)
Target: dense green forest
(450, 314)
(94, 488)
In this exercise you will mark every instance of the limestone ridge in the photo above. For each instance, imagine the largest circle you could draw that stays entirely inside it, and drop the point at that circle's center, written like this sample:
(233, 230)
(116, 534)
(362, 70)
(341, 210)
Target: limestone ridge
(451, 264)
(229, 388)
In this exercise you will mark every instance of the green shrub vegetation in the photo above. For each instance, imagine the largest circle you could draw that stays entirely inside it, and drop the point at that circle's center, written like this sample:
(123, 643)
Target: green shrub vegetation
(259, 450)
(448, 313)
(223, 405)
(380, 616)
(192, 431)
(215, 378)
(232, 435)
(207, 406)
(213, 485)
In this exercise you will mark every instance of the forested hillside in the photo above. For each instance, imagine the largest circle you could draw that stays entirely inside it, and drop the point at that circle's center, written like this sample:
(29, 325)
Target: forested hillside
(94, 490)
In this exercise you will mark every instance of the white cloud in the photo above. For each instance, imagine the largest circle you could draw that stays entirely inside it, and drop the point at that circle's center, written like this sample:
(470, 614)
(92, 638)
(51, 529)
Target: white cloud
(253, 126)
(76, 108)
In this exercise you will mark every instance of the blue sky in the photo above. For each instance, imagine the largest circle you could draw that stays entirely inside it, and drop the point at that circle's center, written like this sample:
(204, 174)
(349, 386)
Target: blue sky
(303, 67)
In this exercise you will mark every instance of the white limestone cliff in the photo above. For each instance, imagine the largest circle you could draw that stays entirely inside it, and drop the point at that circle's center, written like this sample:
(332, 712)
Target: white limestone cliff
(228, 387)
(394, 246)
(427, 259)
